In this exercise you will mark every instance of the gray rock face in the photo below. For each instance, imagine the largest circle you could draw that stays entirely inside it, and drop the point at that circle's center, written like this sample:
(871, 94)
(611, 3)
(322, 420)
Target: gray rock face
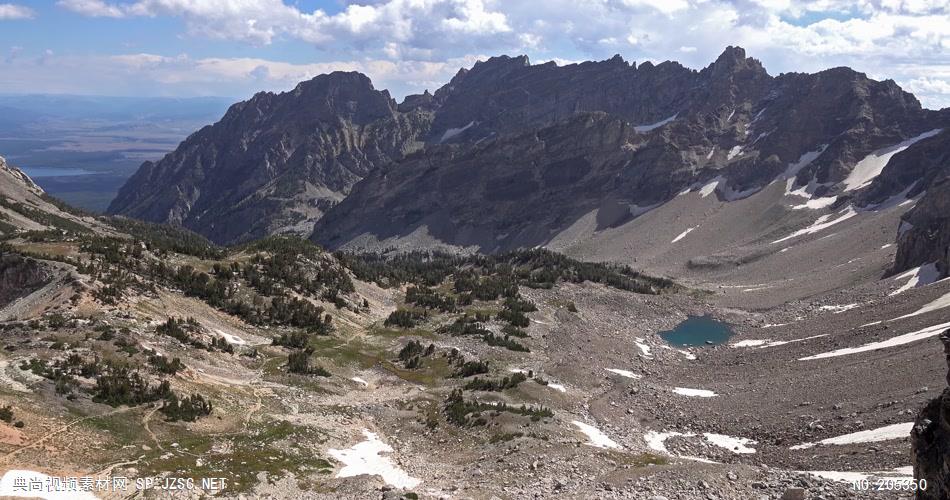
(924, 236)
(275, 162)
(930, 440)
(19, 277)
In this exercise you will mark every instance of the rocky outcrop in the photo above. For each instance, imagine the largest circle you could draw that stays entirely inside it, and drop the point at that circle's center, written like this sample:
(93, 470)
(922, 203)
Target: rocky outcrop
(19, 276)
(924, 234)
(930, 439)
(276, 162)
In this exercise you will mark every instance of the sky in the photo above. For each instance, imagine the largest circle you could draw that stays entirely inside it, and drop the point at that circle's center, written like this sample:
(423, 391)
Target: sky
(234, 48)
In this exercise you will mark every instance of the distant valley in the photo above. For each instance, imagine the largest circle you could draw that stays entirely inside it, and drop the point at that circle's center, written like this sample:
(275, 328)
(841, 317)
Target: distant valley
(82, 149)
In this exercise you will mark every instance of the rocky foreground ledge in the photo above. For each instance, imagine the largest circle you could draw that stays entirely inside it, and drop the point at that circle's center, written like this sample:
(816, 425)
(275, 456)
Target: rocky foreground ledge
(931, 441)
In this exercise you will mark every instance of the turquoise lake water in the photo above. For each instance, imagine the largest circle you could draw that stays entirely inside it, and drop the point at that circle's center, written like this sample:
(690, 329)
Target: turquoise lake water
(698, 331)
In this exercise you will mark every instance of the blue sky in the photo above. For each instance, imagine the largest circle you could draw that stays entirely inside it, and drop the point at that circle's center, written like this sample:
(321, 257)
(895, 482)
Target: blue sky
(236, 47)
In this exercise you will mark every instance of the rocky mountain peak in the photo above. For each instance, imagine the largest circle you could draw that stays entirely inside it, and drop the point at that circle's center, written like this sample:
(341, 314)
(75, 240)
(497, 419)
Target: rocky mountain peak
(733, 60)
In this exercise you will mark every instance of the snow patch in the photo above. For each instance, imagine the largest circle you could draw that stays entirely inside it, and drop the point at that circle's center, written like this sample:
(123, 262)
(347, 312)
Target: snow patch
(886, 433)
(884, 344)
(763, 343)
(623, 373)
(821, 224)
(873, 164)
(940, 303)
(816, 203)
(697, 393)
(360, 381)
(595, 437)
(232, 339)
(838, 309)
(644, 349)
(735, 151)
(710, 187)
(683, 234)
(657, 442)
(452, 132)
(557, 387)
(640, 129)
(803, 161)
(733, 444)
(364, 458)
(750, 343)
(686, 354)
(919, 276)
(730, 194)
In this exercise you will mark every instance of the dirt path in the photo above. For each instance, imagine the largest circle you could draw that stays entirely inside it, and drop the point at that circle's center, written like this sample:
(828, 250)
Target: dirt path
(145, 419)
(58, 431)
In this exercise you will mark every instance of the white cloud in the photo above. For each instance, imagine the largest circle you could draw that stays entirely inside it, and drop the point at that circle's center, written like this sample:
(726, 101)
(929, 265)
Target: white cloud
(152, 74)
(14, 11)
(898, 39)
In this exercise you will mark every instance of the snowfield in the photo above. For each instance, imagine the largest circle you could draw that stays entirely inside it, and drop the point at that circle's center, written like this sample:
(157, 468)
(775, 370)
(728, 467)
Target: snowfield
(873, 164)
(886, 433)
(595, 437)
(364, 458)
(697, 393)
(907, 338)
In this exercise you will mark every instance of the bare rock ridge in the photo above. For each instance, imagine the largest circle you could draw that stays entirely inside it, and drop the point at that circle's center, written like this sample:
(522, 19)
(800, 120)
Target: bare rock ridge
(931, 441)
(475, 162)
(275, 162)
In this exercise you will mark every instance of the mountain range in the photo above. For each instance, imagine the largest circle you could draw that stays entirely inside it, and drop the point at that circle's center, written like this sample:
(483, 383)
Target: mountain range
(509, 154)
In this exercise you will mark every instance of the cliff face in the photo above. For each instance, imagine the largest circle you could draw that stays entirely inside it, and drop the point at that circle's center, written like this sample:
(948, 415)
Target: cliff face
(276, 162)
(931, 441)
(19, 277)
(924, 171)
